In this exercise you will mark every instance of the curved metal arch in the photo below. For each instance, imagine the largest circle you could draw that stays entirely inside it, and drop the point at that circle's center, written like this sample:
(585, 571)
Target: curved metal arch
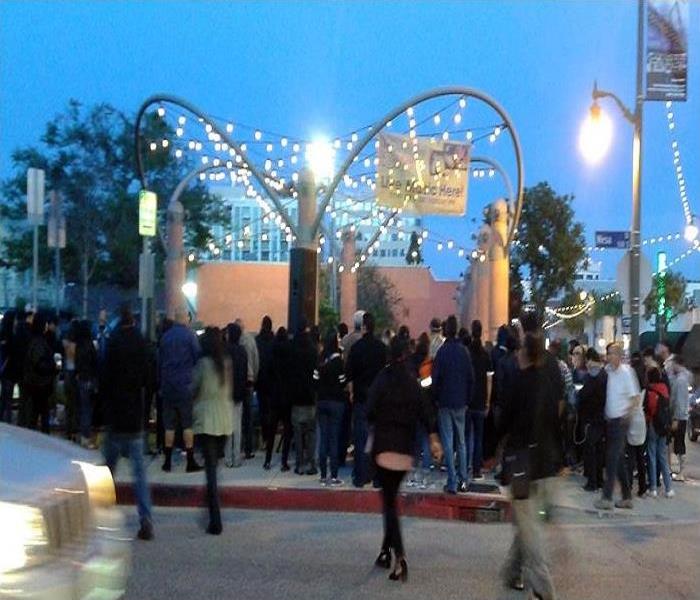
(434, 93)
(496, 166)
(157, 98)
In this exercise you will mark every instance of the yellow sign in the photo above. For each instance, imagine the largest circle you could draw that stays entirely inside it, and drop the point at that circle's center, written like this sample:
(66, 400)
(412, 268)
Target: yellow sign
(148, 213)
(422, 176)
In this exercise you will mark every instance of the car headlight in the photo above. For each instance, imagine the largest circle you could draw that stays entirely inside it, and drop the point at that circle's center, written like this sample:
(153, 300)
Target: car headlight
(100, 484)
(24, 536)
(426, 382)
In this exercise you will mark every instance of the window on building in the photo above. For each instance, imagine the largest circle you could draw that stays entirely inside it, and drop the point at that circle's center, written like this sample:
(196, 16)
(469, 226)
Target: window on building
(382, 253)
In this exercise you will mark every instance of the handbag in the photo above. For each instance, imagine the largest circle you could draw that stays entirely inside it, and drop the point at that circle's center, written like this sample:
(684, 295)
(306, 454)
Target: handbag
(517, 472)
(637, 432)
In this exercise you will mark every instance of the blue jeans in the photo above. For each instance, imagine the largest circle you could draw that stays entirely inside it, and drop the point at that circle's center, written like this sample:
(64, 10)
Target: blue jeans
(474, 435)
(423, 456)
(452, 424)
(8, 387)
(657, 449)
(130, 445)
(85, 407)
(330, 417)
(360, 431)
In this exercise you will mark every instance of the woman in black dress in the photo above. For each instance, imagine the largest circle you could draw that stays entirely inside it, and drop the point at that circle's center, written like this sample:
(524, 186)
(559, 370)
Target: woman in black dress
(395, 407)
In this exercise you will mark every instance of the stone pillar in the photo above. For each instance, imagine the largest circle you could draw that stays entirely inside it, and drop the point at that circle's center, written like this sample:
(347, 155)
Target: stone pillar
(348, 280)
(482, 271)
(303, 258)
(175, 260)
(499, 267)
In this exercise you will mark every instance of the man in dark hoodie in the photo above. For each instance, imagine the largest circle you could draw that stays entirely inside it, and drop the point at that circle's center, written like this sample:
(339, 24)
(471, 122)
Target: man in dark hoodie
(263, 385)
(304, 401)
(125, 379)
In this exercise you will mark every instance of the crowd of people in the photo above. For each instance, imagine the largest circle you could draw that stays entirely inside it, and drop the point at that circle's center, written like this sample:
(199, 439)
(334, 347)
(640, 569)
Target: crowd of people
(398, 405)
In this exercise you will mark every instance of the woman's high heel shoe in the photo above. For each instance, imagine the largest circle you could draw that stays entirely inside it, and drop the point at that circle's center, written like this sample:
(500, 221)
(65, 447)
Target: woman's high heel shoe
(401, 574)
(384, 560)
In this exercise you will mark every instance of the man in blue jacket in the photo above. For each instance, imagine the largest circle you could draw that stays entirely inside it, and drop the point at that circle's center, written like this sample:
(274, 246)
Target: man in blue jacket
(453, 380)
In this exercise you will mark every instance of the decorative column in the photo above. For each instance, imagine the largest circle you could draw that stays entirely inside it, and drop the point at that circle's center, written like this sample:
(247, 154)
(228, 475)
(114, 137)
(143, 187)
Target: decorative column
(175, 259)
(482, 270)
(348, 280)
(499, 267)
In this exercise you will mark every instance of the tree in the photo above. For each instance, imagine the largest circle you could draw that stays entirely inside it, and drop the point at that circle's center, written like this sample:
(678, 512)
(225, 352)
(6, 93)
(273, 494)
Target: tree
(574, 324)
(377, 294)
(88, 156)
(414, 256)
(675, 301)
(550, 244)
(606, 305)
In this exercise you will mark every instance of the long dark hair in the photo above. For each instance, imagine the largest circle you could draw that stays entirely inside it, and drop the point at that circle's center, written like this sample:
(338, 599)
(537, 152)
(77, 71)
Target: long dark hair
(533, 346)
(330, 344)
(213, 346)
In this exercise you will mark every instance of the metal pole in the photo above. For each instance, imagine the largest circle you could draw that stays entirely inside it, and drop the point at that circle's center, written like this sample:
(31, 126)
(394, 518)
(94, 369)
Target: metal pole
(35, 268)
(57, 268)
(145, 317)
(635, 247)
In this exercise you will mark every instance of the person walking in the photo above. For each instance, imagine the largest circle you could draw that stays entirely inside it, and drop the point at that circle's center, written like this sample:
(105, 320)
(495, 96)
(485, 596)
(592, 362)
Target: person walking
(453, 382)
(591, 403)
(212, 383)
(346, 343)
(330, 378)
(281, 403)
(622, 395)
(476, 410)
(86, 371)
(239, 358)
(421, 366)
(680, 397)
(39, 374)
(125, 379)
(303, 401)
(263, 385)
(657, 409)
(367, 358)
(394, 408)
(251, 350)
(177, 355)
(532, 458)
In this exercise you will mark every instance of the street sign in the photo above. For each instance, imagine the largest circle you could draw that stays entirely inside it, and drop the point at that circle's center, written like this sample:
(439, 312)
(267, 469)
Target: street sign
(35, 195)
(148, 209)
(619, 240)
(56, 232)
(626, 324)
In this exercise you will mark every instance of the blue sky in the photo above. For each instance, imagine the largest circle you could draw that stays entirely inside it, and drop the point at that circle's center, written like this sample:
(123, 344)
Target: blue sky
(307, 67)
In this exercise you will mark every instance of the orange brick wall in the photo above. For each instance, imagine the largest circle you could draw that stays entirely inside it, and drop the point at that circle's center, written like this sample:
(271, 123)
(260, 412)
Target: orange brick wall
(250, 290)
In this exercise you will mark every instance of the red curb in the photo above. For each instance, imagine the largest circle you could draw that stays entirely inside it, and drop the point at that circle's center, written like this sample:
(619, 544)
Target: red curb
(464, 507)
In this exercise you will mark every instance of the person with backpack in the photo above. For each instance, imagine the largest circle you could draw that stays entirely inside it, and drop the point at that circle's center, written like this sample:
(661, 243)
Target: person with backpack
(657, 409)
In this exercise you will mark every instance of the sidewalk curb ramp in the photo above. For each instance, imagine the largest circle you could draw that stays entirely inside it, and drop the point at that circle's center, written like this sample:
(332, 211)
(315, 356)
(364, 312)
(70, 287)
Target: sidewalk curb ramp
(473, 507)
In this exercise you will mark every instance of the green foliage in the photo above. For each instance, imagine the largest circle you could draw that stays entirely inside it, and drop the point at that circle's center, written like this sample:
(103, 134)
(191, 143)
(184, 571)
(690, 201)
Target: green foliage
(550, 244)
(88, 155)
(414, 256)
(676, 302)
(574, 325)
(609, 307)
(377, 294)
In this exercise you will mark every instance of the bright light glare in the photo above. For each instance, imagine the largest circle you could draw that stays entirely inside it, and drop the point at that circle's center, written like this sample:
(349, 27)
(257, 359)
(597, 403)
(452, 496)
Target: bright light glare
(23, 533)
(190, 290)
(583, 295)
(691, 232)
(320, 156)
(595, 135)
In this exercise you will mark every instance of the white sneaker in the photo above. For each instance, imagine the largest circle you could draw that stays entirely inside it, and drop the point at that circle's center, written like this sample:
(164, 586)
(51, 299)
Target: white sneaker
(670, 494)
(652, 494)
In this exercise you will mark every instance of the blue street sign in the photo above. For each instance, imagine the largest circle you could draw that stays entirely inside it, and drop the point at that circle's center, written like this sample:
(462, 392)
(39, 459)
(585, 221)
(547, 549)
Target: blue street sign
(619, 240)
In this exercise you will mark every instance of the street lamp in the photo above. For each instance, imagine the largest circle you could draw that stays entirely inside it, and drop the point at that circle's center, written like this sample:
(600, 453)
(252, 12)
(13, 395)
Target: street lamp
(596, 133)
(320, 156)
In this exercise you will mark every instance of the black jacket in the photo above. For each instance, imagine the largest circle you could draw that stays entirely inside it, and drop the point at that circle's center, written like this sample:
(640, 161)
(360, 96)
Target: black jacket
(368, 356)
(305, 362)
(126, 371)
(239, 357)
(591, 397)
(531, 420)
(86, 361)
(481, 363)
(395, 406)
(264, 342)
(330, 379)
(39, 365)
(282, 373)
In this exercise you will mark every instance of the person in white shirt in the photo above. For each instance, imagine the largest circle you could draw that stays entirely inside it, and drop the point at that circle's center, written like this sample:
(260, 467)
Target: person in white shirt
(622, 395)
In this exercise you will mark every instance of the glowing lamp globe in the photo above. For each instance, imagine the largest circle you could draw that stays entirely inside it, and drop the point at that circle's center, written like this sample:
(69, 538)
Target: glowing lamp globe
(595, 136)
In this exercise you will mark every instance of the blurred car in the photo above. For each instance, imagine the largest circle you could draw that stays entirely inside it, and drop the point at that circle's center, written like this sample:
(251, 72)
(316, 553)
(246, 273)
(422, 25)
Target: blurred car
(61, 535)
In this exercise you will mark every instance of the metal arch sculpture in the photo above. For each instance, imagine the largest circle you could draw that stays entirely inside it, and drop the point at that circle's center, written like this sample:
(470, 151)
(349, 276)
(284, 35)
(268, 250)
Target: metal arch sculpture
(434, 93)
(158, 98)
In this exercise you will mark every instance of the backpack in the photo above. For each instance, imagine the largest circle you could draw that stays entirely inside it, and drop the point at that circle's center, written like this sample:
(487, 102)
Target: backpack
(662, 416)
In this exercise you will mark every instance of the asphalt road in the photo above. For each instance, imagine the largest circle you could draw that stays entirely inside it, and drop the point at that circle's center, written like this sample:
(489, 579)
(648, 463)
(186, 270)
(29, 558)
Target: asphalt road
(264, 555)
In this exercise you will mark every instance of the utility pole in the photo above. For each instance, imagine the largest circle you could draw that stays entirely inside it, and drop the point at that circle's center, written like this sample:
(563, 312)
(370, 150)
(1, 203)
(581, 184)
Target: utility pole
(35, 214)
(56, 239)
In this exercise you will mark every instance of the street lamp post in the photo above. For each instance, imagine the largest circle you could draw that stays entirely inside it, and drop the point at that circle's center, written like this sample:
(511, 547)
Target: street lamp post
(597, 131)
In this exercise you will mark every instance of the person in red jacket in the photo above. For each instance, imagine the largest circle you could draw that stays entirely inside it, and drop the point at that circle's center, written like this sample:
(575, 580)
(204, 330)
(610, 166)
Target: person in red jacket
(657, 411)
